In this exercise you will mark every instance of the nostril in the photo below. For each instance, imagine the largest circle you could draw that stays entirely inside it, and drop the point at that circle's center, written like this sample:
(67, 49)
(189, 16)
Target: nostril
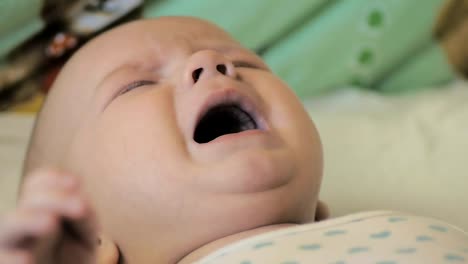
(196, 74)
(221, 68)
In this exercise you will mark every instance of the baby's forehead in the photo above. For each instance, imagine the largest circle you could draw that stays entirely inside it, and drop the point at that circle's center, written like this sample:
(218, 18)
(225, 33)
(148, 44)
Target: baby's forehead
(135, 44)
(169, 30)
(124, 45)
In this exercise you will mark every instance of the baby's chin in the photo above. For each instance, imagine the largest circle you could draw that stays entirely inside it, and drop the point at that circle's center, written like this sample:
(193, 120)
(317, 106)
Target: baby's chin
(249, 170)
(254, 160)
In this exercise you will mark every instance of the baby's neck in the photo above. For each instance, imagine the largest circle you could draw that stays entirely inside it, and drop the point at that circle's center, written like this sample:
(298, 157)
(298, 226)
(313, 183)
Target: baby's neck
(219, 243)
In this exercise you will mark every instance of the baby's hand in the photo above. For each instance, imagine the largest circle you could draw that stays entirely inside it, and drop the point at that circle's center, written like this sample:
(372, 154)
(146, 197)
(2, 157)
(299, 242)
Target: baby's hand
(52, 223)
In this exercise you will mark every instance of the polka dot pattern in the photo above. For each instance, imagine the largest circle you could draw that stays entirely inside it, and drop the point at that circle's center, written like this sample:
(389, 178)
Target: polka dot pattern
(366, 56)
(381, 239)
(423, 238)
(396, 219)
(454, 258)
(355, 250)
(381, 235)
(309, 247)
(438, 228)
(375, 18)
(335, 232)
(263, 244)
(409, 250)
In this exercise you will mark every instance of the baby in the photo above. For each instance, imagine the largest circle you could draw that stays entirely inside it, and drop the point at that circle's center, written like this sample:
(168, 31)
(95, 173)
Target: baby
(166, 141)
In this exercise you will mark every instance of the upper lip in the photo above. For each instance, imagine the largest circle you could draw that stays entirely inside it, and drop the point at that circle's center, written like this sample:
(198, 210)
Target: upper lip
(231, 96)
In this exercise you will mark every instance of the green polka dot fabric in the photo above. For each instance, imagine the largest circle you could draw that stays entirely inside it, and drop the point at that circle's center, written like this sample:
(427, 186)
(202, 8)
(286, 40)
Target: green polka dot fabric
(385, 45)
(380, 237)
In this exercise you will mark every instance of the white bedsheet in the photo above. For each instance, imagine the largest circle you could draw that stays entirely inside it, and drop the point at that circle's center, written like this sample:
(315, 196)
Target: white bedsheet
(405, 153)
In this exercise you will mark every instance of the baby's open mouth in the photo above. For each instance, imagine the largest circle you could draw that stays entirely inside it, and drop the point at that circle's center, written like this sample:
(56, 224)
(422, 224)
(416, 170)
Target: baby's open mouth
(221, 120)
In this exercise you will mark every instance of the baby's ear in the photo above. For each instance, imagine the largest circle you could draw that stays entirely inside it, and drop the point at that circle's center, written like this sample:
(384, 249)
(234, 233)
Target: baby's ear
(321, 212)
(107, 251)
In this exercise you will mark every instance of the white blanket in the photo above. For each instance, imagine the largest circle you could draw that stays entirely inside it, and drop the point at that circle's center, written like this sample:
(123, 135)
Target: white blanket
(407, 153)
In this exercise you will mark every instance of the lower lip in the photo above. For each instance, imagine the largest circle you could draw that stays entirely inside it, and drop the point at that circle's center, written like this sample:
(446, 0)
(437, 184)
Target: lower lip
(234, 136)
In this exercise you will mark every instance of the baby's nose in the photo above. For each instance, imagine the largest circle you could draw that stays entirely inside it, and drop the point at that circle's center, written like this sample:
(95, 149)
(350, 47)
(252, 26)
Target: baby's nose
(207, 64)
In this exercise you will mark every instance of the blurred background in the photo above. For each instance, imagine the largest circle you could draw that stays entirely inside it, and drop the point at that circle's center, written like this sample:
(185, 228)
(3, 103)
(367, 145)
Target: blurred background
(382, 79)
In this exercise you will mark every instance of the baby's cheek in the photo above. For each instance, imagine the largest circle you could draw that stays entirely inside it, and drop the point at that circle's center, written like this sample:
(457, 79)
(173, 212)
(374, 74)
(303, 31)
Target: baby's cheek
(293, 123)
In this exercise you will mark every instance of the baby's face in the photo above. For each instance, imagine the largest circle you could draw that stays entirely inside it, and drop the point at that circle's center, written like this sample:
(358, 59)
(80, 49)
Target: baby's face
(185, 137)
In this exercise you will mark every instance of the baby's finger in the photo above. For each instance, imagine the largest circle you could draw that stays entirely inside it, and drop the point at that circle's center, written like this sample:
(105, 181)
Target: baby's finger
(76, 217)
(83, 230)
(15, 257)
(61, 204)
(46, 180)
(75, 233)
(24, 227)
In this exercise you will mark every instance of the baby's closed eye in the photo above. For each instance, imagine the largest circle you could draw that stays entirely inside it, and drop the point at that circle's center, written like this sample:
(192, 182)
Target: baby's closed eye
(135, 84)
(247, 64)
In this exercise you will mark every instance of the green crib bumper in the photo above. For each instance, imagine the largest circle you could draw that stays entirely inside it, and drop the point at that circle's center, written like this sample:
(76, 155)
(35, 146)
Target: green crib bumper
(19, 20)
(257, 24)
(357, 42)
(430, 68)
